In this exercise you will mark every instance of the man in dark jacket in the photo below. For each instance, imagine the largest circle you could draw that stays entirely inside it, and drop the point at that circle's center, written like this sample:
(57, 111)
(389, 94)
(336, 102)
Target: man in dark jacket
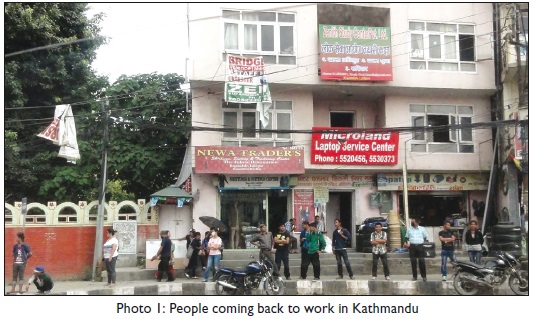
(340, 238)
(164, 252)
(282, 243)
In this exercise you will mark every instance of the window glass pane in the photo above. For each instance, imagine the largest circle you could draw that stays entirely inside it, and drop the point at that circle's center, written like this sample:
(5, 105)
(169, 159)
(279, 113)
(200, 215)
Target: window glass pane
(441, 27)
(442, 66)
(249, 124)
(230, 121)
(435, 47)
(283, 123)
(286, 17)
(466, 133)
(268, 38)
(441, 109)
(418, 147)
(417, 108)
(416, 25)
(443, 148)
(450, 47)
(417, 46)
(438, 135)
(267, 16)
(465, 28)
(418, 121)
(268, 127)
(286, 40)
(248, 106)
(250, 16)
(462, 109)
(250, 37)
(227, 14)
(466, 47)
(466, 148)
(469, 67)
(231, 36)
(417, 65)
(270, 59)
(283, 105)
(287, 60)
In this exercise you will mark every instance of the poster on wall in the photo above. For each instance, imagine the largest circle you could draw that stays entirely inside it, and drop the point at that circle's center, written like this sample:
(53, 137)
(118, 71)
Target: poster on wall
(303, 206)
(343, 146)
(355, 53)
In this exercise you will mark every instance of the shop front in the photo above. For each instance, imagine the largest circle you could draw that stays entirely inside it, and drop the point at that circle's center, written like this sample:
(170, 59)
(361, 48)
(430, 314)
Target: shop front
(253, 187)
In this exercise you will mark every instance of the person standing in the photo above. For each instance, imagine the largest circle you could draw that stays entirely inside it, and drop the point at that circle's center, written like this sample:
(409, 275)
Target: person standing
(378, 240)
(415, 237)
(340, 238)
(109, 253)
(188, 238)
(305, 229)
(282, 243)
(316, 245)
(264, 241)
(192, 264)
(214, 255)
(474, 240)
(447, 239)
(290, 228)
(21, 254)
(164, 252)
(41, 280)
(204, 258)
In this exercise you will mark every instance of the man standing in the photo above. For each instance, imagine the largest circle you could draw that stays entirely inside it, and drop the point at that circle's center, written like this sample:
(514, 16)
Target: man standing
(290, 228)
(305, 229)
(447, 239)
(415, 237)
(264, 241)
(282, 242)
(378, 240)
(21, 254)
(164, 252)
(340, 238)
(316, 245)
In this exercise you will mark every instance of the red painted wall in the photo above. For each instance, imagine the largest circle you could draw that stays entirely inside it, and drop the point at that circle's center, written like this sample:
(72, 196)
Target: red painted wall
(66, 252)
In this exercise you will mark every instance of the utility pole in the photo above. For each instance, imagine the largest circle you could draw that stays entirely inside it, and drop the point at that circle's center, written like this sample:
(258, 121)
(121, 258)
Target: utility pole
(102, 188)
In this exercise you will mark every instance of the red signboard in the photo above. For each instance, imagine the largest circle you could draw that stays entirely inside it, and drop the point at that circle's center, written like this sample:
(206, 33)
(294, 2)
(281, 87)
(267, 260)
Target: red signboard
(344, 146)
(248, 160)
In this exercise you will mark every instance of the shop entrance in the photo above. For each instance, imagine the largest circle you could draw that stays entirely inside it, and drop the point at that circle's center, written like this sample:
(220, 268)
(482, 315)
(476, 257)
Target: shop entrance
(433, 209)
(277, 209)
(339, 206)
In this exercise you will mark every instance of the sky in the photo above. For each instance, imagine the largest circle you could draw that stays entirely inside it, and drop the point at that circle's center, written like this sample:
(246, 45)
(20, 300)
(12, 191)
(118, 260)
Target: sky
(144, 38)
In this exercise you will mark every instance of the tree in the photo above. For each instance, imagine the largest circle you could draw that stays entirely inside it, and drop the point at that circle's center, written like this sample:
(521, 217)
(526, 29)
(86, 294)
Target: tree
(56, 75)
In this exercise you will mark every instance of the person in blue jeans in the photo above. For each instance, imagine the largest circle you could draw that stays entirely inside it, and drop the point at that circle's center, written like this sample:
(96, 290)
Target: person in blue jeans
(474, 240)
(214, 254)
(447, 239)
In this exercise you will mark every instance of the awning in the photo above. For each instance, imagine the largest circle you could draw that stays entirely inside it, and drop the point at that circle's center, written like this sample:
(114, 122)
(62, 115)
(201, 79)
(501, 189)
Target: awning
(171, 195)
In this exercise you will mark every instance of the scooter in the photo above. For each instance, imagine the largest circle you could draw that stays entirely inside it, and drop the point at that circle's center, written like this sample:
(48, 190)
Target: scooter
(469, 277)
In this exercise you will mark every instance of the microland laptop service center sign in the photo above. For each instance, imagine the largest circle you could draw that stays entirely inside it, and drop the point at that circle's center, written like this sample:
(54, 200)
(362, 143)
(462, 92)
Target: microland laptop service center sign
(345, 147)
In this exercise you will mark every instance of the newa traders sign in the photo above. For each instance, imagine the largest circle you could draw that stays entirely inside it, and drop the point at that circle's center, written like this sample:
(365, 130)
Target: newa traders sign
(343, 146)
(433, 182)
(355, 53)
(245, 80)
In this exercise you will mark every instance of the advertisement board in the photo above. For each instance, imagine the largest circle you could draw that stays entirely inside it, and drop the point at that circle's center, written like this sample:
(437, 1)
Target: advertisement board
(344, 146)
(433, 182)
(245, 81)
(355, 53)
(303, 206)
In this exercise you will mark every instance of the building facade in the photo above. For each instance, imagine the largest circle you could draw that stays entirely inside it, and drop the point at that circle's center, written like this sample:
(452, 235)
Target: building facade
(357, 90)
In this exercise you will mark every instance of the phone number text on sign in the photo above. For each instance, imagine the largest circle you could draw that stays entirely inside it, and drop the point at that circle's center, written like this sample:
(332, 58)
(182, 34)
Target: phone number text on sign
(356, 159)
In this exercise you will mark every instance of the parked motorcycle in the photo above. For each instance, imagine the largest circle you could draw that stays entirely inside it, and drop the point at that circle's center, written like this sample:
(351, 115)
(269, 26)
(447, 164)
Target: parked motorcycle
(229, 281)
(469, 277)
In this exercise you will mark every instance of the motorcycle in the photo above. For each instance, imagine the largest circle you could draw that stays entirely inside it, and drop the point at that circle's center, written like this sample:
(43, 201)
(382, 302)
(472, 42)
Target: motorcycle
(229, 281)
(469, 277)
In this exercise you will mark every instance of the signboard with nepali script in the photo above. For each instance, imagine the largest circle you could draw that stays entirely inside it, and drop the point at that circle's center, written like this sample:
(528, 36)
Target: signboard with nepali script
(355, 53)
(344, 146)
(433, 182)
(249, 160)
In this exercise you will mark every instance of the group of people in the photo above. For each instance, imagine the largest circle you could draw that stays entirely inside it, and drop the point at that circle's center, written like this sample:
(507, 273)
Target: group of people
(21, 253)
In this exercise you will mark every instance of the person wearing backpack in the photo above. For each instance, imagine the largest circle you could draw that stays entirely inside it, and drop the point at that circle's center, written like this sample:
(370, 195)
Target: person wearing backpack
(341, 239)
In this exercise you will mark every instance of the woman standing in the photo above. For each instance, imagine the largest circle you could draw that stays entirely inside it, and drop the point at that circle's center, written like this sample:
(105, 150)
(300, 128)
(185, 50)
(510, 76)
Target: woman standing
(474, 240)
(197, 248)
(110, 253)
(214, 255)
(21, 254)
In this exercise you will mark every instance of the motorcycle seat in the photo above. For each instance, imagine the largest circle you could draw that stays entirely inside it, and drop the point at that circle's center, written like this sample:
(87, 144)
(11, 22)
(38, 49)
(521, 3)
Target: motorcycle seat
(242, 271)
(472, 264)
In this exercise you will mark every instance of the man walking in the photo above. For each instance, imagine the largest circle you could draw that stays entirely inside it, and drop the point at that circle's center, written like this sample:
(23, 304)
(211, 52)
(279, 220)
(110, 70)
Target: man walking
(340, 239)
(316, 245)
(447, 239)
(378, 240)
(264, 241)
(282, 243)
(164, 252)
(415, 237)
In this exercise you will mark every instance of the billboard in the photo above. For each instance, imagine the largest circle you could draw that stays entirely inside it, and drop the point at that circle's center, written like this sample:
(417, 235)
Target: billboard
(355, 53)
(433, 182)
(344, 146)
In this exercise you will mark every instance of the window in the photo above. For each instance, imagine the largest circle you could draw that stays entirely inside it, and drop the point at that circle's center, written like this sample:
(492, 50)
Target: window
(35, 216)
(342, 119)
(67, 215)
(269, 34)
(237, 116)
(8, 216)
(127, 213)
(442, 46)
(93, 214)
(442, 140)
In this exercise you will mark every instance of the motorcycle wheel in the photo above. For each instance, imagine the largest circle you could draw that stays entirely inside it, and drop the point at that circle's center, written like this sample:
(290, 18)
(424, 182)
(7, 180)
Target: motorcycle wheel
(519, 287)
(462, 287)
(274, 286)
(225, 291)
